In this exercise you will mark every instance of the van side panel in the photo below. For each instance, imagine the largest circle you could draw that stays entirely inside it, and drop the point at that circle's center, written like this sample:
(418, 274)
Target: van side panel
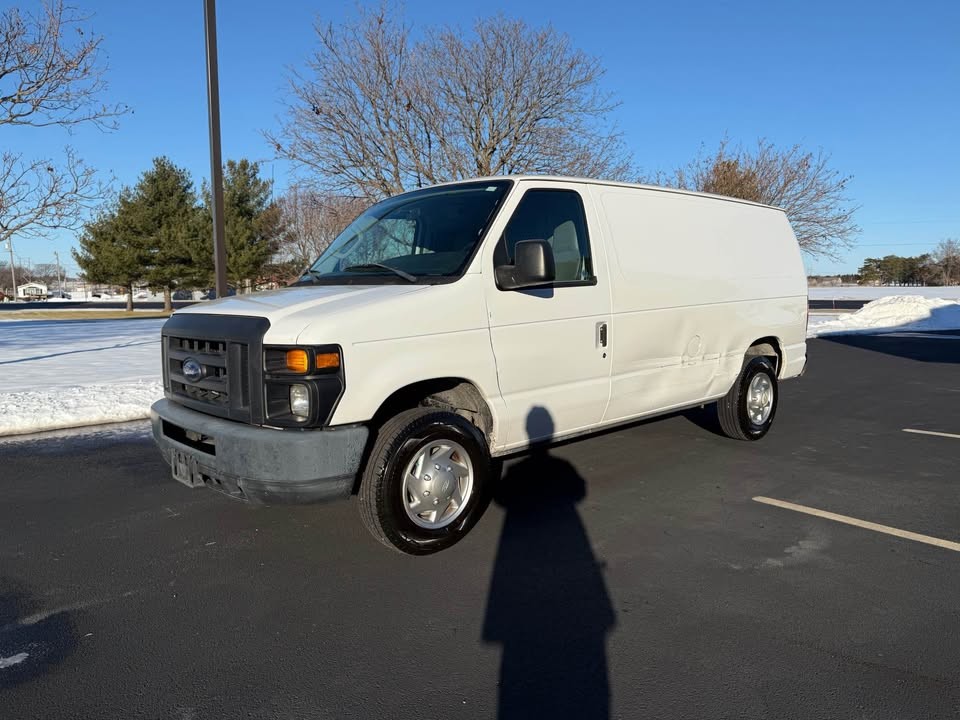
(695, 281)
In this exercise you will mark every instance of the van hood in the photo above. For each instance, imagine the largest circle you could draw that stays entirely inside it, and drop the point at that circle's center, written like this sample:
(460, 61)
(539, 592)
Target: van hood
(279, 304)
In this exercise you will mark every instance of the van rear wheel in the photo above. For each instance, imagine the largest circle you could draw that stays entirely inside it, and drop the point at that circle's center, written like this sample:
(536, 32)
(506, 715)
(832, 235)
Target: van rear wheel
(747, 411)
(426, 481)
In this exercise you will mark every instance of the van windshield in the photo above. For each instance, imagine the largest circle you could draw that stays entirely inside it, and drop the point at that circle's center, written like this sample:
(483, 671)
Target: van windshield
(420, 236)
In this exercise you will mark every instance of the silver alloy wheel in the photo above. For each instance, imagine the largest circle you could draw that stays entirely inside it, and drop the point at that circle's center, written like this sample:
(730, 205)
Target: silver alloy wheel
(437, 484)
(760, 399)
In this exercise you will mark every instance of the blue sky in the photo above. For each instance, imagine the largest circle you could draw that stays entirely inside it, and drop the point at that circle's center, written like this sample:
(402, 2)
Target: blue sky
(875, 84)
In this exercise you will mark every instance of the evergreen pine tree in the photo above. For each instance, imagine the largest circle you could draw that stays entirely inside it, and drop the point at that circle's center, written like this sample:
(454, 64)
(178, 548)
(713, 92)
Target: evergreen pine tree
(164, 214)
(252, 221)
(151, 234)
(111, 250)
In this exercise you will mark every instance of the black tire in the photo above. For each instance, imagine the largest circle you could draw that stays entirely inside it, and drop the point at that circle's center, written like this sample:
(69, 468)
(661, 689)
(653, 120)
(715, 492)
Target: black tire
(732, 408)
(381, 493)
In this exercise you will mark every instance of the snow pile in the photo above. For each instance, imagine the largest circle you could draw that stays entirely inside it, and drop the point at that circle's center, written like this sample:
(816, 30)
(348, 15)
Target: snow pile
(39, 410)
(59, 374)
(897, 312)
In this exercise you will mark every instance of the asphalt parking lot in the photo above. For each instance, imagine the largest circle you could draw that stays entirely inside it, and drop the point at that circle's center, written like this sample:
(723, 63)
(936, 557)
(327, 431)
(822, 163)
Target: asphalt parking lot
(628, 575)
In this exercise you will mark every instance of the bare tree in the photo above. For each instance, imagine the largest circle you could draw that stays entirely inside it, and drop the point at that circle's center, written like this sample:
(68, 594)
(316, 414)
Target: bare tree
(39, 195)
(801, 182)
(51, 74)
(312, 220)
(376, 112)
(946, 259)
(45, 273)
(24, 274)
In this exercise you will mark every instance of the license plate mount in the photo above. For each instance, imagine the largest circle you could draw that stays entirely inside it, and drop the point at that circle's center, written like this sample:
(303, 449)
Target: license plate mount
(185, 469)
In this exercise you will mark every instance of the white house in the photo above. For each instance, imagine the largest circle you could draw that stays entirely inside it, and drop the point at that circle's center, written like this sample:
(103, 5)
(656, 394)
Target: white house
(32, 291)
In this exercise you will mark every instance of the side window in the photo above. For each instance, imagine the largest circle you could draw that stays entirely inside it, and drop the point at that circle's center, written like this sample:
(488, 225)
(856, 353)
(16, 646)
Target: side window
(555, 216)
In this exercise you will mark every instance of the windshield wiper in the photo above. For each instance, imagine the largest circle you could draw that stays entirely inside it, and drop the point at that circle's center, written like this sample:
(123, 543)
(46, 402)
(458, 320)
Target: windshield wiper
(369, 266)
(309, 275)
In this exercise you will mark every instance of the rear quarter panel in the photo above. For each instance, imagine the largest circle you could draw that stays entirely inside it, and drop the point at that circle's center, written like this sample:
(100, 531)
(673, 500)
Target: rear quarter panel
(695, 281)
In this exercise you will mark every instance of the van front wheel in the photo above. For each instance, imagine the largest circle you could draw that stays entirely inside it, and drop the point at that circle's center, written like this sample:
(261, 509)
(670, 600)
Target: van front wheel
(747, 411)
(426, 480)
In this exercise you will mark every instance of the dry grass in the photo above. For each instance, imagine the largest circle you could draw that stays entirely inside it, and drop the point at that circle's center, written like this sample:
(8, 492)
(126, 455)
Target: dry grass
(82, 314)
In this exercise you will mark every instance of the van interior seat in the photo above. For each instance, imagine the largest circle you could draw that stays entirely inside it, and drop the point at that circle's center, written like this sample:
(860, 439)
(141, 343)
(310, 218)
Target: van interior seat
(566, 252)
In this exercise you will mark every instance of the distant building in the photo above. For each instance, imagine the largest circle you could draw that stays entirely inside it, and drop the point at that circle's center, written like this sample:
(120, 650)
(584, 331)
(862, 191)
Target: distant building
(32, 291)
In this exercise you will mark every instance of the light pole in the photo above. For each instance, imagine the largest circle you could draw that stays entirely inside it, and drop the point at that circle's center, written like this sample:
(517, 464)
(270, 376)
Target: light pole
(59, 281)
(216, 165)
(13, 272)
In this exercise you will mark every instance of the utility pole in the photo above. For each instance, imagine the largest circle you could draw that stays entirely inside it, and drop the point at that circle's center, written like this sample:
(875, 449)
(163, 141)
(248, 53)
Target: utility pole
(59, 281)
(216, 164)
(13, 272)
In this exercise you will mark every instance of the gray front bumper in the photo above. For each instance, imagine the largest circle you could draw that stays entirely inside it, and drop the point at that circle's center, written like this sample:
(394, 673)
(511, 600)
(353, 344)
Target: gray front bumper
(258, 464)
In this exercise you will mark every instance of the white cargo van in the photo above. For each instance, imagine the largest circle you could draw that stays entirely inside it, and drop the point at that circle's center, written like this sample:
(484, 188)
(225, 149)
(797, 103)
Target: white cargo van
(468, 320)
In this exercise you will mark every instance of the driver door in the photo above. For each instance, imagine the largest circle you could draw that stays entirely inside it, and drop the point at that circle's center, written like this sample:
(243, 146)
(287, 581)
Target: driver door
(551, 343)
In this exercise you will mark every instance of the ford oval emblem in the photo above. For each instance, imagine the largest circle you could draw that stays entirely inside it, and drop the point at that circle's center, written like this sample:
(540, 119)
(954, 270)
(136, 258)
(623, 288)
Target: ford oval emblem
(192, 370)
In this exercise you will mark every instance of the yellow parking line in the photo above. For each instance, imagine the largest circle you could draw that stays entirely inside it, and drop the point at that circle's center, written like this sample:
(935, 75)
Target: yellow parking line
(931, 432)
(867, 525)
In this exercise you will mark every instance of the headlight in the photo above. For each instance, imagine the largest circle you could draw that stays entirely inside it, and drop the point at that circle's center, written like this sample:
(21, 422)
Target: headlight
(279, 360)
(302, 384)
(300, 401)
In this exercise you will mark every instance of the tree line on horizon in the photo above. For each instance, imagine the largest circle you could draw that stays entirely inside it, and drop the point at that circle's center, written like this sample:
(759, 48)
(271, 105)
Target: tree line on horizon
(376, 110)
(939, 267)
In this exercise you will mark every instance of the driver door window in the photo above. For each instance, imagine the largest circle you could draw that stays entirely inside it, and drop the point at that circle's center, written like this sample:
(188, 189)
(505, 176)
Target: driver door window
(556, 216)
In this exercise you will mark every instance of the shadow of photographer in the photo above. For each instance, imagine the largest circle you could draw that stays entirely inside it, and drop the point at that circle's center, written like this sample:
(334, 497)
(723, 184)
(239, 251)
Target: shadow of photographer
(548, 603)
(32, 642)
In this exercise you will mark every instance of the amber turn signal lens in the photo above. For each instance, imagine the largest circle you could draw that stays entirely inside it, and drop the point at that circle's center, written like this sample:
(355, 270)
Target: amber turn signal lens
(298, 361)
(328, 360)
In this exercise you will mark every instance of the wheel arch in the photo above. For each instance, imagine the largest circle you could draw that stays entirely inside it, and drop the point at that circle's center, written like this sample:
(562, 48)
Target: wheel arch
(770, 347)
(458, 394)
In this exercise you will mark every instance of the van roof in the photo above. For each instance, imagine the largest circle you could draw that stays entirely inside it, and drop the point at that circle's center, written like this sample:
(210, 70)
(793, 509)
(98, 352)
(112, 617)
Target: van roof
(611, 183)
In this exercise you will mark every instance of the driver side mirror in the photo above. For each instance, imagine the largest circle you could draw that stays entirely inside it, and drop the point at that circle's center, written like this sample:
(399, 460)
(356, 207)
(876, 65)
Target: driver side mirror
(533, 265)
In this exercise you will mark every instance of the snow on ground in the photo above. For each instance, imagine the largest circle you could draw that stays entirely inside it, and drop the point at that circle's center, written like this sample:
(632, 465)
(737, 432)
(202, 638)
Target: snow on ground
(819, 318)
(69, 373)
(899, 312)
(874, 293)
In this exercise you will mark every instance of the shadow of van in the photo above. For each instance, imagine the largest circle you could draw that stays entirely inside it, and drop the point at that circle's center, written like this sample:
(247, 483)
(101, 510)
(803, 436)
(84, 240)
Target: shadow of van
(922, 346)
(923, 340)
(548, 603)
